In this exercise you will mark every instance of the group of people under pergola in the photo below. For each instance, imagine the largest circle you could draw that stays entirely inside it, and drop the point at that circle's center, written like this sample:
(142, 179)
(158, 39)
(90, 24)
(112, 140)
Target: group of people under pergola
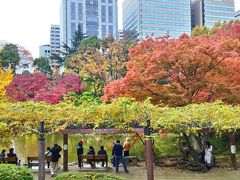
(118, 152)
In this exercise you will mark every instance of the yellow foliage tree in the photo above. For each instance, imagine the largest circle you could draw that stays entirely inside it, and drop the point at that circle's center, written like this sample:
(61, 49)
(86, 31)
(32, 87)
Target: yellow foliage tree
(6, 77)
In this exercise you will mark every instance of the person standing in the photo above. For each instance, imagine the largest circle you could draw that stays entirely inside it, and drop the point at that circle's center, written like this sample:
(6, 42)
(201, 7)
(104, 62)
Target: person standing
(55, 150)
(126, 147)
(102, 151)
(117, 152)
(3, 153)
(48, 154)
(208, 157)
(79, 150)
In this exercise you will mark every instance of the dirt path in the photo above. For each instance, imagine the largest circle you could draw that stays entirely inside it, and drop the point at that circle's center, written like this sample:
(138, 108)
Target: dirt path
(139, 173)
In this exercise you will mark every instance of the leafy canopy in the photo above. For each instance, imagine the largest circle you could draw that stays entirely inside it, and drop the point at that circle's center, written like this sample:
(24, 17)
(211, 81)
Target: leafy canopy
(37, 87)
(177, 72)
(123, 113)
(6, 77)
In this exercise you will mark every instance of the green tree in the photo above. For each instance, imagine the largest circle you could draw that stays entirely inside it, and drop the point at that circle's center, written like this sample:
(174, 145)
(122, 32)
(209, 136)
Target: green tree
(76, 39)
(68, 51)
(43, 65)
(200, 30)
(9, 56)
(203, 30)
(92, 42)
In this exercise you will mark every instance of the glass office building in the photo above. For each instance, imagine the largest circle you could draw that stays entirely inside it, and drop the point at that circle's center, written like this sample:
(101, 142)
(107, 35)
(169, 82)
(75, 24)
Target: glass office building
(96, 17)
(158, 17)
(208, 12)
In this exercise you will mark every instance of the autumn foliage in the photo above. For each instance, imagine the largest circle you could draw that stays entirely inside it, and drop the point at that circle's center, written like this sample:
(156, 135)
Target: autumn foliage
(181, 71)
(37, 87)
(6, 77)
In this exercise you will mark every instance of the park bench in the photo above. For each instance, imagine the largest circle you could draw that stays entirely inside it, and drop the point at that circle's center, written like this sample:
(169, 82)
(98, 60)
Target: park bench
(130, 160)
(34, 161)
(10, 160)
(93, 158)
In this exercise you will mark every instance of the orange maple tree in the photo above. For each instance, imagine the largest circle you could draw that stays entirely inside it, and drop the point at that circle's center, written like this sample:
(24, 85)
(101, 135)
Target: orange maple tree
(180, 71)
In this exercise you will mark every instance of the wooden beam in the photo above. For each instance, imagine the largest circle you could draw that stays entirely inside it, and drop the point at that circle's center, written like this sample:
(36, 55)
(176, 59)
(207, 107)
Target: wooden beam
(100, 131)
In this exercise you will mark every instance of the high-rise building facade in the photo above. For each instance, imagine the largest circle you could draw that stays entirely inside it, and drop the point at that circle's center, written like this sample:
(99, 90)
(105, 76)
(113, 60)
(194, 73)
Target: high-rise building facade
(55, 38)
(96, 17)
(208, 12)
(158, 17)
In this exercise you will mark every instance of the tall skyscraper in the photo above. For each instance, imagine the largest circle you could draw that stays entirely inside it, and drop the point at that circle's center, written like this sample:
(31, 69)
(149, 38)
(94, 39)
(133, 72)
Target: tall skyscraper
(96, 17)
(208, 12)
(160, 17)
(55, 38)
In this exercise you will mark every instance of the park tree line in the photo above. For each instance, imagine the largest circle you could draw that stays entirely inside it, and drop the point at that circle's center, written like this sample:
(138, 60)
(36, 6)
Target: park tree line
(172, 72)
(176, 82)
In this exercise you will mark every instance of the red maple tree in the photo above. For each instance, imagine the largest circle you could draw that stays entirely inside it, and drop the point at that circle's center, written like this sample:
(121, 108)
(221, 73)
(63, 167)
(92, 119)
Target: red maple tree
(37, 87)
(25, 87)
(181, 71)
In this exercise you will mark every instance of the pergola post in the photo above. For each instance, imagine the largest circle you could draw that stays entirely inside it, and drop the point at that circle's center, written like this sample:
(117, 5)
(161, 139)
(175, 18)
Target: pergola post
(41, 151)
(65, 152)
(233, 151)
(149, 151)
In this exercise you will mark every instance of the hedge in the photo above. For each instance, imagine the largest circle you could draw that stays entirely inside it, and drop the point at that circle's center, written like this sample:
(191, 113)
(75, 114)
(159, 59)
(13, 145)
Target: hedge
(88, 176)
(14, 172)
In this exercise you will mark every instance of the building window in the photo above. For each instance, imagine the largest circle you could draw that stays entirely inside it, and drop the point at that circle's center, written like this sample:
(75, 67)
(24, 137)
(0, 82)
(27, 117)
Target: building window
(103, 13)
(109, 1)
(73, 11)
(92, 8)
(110, 30)
(73, 28)
(104, 31)
(80, 11)
(92, 17)
(92, 28)
(103, 1)
(110, 14)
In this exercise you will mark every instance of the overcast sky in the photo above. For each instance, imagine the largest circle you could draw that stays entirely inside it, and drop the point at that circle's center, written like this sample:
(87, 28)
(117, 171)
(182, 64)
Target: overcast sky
(27, 22)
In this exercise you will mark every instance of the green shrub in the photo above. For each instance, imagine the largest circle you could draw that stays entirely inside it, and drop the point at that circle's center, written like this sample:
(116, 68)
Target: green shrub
(88, 176)
(14, 172)
(166, 146)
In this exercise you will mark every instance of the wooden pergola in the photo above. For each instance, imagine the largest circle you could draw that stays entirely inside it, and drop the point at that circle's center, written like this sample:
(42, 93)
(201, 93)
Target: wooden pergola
(66, 132)
(141, 130)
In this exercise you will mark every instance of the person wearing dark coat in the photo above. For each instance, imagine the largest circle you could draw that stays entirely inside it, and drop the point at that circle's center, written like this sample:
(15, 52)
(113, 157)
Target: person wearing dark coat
(102, 151)
(55, 155)
(91, 151)
(117, 153)
(12, 154)
(79, 150)
(3, 153)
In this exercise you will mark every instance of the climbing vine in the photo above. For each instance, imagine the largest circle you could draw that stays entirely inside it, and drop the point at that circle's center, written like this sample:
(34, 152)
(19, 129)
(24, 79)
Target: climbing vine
(17, 119)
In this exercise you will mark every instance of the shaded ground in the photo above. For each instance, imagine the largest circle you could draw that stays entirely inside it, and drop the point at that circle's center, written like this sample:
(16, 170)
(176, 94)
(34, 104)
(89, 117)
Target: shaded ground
(139, 173)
